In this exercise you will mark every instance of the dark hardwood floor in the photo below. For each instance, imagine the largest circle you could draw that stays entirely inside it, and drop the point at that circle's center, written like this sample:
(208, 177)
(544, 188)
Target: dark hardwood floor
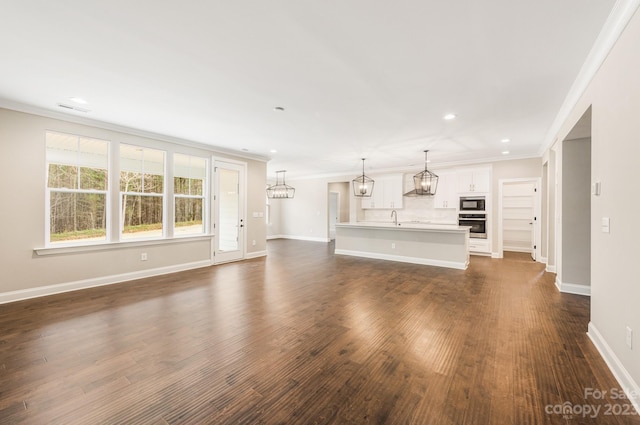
(306, 337)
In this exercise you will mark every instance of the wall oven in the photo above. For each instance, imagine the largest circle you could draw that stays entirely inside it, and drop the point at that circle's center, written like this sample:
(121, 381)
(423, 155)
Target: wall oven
(477, 223)
(475, 203)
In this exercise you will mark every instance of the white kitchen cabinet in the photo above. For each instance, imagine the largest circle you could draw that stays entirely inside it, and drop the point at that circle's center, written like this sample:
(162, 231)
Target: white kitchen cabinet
(446, 194)
(474, 180)
(387, 193)
(479, 246)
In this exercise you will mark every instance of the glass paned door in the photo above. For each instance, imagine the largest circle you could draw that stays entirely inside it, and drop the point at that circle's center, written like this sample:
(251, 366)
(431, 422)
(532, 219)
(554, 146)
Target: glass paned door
(229, 207)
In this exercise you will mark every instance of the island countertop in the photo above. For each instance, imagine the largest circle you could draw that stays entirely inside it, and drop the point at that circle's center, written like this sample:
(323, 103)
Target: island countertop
(444, 245)
(407, 225)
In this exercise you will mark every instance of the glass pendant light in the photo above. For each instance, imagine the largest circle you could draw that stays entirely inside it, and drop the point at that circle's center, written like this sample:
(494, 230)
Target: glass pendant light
(362, 185)
(425, 182)
(280, 190)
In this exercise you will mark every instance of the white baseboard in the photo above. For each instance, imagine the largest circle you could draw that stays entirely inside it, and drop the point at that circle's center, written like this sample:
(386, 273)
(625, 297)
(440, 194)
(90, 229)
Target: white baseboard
(516, 249)
(302, 238)
(543, 260)
(551, 268)
(573, 288)
(25, 294)
(256, 254)
(403, 259)
(496, 255)
(629, 386)
(274, 237)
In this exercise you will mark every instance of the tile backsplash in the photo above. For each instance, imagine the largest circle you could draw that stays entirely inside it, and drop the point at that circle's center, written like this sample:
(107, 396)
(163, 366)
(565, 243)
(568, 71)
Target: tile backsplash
(414, 209)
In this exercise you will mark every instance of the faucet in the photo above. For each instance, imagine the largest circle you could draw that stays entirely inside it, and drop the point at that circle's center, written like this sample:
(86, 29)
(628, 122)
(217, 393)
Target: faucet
(394, 215)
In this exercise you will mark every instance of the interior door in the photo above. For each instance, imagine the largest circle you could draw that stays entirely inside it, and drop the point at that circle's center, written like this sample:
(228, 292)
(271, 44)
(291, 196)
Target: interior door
(229, 227)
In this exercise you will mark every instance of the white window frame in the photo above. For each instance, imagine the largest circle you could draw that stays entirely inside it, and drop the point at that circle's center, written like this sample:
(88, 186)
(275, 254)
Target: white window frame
(204, 197)
(162, 195)
(49, 190)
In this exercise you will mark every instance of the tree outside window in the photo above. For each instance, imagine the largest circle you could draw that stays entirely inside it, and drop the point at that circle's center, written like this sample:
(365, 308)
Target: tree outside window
(189, 190)
(141, 192)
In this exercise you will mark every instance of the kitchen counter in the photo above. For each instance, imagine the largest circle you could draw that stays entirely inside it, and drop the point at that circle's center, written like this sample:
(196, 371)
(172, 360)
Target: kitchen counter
(444, 245)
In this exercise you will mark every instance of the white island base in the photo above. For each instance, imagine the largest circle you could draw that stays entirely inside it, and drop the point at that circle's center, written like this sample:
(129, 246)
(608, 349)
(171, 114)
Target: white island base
(433, 245)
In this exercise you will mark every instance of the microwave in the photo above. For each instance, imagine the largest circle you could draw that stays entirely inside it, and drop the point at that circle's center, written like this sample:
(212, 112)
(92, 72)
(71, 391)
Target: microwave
(475, 203)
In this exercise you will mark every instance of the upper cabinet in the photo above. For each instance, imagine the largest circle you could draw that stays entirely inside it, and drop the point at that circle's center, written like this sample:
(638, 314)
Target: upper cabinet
(474, 180)
(387, 193)
(446, 194)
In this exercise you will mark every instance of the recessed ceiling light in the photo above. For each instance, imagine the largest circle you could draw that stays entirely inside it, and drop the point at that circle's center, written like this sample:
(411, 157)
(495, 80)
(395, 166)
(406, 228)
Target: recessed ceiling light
(245, 150)
(505, 152)
(449, 116)
(505, 140)
(273, 151)
(78, 100)
(278, 109)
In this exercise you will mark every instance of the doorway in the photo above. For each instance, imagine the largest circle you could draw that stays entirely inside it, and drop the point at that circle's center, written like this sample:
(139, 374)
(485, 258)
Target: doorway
(519, 224)
(229, 214)
(334, 211)
(574, 232)
(338, 206)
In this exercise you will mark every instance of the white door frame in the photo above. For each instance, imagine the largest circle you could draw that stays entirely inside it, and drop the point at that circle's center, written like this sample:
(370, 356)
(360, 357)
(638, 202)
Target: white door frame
(536, 212)
(337, 211)
(216, 256)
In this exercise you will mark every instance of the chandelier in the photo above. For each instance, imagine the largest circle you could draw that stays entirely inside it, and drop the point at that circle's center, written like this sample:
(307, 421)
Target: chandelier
(362, 185)
(280, 190)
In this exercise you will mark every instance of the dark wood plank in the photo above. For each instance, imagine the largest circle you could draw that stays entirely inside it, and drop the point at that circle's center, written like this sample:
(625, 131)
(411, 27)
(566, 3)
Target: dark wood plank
(305, 337)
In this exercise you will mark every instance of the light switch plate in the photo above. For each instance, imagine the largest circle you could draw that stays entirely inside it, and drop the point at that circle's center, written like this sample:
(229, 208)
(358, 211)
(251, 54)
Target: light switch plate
(605, 225)
(595, 189)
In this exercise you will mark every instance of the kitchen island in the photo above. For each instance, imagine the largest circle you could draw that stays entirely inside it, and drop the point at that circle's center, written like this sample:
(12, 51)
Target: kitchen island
(420, 243)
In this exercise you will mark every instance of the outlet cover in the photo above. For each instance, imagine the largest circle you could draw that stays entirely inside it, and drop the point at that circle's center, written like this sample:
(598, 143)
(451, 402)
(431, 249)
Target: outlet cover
(629, 338)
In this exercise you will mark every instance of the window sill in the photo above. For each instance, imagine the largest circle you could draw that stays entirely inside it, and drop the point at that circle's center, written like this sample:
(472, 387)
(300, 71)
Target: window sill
(108, 246)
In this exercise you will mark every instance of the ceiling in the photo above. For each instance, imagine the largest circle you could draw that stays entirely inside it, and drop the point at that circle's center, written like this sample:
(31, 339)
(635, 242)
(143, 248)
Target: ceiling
(358, 78)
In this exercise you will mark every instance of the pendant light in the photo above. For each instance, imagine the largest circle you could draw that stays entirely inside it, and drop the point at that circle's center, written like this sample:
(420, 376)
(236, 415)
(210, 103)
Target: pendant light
(280, 190)
(362, 185)
(425, 182)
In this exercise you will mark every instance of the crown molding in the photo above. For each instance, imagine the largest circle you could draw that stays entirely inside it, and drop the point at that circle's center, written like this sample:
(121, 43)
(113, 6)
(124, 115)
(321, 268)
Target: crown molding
(613, 27)
(441, 166)
(48, 113)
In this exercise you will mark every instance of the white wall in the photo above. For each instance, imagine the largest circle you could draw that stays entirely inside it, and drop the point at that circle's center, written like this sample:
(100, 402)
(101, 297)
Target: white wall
(576, 220)
(614, 95)
(22, 166)
(306, 215)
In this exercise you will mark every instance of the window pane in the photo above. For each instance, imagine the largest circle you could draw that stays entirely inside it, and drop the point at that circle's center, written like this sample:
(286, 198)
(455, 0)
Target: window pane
(130, 182)
(93, 178)
(131, 158)
(66, 153)
(77, 216)
(62, 148)
(188, 216)
(142, 216)
(145, 164)
(153, 183)
(185, 186)
(63, 176)
(189, 174)
(229, 209)
(181, 185)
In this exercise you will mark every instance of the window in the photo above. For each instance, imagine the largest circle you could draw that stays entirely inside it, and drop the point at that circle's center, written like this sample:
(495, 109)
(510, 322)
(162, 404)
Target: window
(141, 192)
(76, 188)
(189, 193)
